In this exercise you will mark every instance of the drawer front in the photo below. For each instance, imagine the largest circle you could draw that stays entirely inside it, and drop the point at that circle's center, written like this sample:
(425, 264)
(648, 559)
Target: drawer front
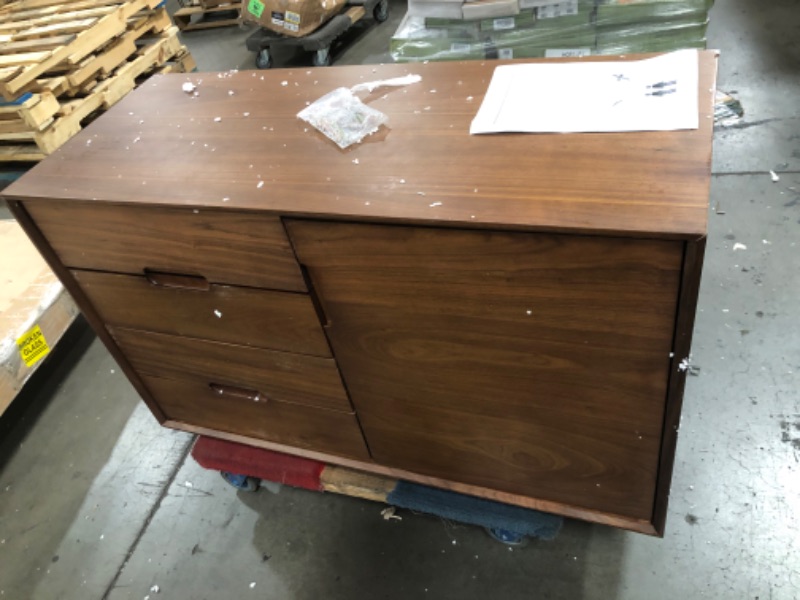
(231, 247)
(246, 316)
(279, 376)
(192, 401)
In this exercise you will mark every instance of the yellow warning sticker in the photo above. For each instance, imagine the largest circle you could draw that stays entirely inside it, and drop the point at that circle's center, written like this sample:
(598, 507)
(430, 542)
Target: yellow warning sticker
(32, 346)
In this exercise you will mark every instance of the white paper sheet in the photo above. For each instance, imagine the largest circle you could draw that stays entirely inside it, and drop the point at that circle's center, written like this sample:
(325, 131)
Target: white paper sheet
(655, 94)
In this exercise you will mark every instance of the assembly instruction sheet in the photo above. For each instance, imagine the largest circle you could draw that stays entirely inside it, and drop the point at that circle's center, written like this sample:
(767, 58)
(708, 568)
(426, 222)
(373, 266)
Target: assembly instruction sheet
(654, 94)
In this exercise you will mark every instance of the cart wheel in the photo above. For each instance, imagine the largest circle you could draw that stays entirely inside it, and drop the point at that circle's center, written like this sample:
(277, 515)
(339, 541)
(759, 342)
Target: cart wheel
(263, 59)
(240, 482)
(322, 58)
(381, 11)
(504, 536)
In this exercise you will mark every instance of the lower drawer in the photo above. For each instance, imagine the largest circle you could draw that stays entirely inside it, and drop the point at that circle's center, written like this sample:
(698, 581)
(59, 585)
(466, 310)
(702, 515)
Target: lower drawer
(281, 376)
(194, 402)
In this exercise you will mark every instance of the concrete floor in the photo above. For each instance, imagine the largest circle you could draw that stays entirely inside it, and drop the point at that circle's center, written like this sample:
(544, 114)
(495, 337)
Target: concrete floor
(98, 501)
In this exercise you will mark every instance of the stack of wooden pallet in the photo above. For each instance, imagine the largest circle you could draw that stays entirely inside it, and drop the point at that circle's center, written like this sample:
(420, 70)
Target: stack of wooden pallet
(207, 14)
(62, 62)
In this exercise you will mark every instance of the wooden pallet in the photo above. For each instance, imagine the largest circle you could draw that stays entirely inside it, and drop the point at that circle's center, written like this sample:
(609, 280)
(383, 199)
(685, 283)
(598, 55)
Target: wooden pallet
(190, 18)
(30, 295)
(35, 111)
(51, 122)
(39, 36)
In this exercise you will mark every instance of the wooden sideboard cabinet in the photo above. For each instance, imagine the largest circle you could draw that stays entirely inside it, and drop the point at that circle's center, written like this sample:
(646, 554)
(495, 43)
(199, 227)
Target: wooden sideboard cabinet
(499, 315)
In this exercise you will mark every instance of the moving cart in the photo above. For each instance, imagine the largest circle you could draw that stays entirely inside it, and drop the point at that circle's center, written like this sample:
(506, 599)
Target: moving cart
(319, 42)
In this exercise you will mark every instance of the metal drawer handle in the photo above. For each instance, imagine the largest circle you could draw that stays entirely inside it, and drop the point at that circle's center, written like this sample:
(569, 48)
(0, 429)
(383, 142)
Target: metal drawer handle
(177, 280)
(236, 392)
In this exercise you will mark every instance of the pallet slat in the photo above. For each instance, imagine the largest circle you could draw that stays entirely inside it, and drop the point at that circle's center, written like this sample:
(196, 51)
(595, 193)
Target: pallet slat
(50, 43)
(25, 58)
(120, 49)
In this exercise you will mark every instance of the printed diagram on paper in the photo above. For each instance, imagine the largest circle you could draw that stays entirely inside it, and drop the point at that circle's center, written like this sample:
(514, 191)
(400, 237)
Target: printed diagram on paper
(655, 94)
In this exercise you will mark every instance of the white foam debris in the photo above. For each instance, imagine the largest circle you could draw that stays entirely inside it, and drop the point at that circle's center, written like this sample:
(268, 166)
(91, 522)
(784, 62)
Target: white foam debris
(155, 589)
(218, 313)
(188, 484)
(252, 585)
(247, 114)
(188, 87)
(432, 204)
(284, 83)
(739, 246)
(355, 161)
(260, 184)
(217, 119)
(469, 98)
(775, 176)
(231, 92)
(388, 514)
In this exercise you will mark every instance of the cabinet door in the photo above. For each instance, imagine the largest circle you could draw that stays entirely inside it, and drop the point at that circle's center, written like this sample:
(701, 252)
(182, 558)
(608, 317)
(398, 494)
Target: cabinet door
(530, 363)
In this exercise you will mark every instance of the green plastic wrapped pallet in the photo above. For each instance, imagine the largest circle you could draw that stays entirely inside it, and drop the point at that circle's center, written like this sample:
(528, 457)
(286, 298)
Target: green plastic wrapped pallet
(564, 28)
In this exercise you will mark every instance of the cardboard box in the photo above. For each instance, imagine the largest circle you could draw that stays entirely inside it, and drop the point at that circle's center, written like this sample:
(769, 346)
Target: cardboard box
(293, 18)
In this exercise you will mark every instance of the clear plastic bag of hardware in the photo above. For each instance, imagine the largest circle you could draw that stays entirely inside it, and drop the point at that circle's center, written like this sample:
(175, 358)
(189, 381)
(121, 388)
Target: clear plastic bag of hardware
(343, 118)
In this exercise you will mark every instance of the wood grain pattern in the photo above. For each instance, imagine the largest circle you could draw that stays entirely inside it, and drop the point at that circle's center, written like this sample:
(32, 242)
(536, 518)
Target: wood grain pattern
(280, 376)
(559, 508)
(224, 247)
(190, 400)
(530, 363)
(358, 484)
(652, 184)
(245, 316)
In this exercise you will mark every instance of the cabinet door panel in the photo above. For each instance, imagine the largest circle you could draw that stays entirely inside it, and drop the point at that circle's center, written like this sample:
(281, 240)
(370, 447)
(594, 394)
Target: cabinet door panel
(530, 363)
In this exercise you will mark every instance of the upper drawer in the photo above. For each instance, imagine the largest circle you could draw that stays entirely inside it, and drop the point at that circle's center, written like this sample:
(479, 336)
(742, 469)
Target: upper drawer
(274, 375)
(222, 246)
(238, 315)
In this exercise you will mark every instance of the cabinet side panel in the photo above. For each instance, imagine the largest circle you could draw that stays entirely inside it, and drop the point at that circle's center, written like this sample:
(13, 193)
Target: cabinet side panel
(684, 326)
(42, 245)
(529, 363)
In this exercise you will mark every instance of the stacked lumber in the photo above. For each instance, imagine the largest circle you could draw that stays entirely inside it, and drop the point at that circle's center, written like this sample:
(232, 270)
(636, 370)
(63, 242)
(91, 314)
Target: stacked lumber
(62, 62)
